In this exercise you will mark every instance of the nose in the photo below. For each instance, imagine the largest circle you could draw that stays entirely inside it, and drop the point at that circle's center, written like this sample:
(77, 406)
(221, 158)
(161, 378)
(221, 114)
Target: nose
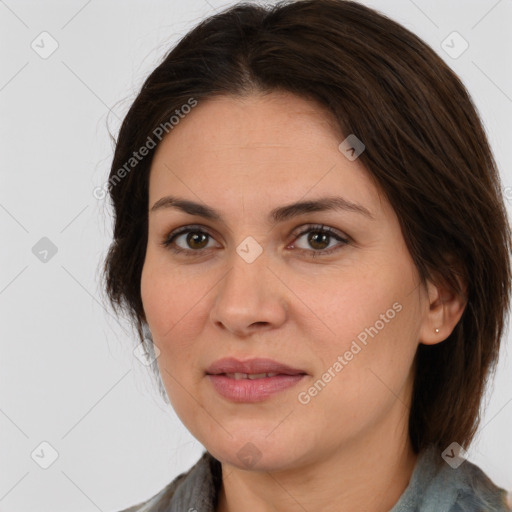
(249, 298)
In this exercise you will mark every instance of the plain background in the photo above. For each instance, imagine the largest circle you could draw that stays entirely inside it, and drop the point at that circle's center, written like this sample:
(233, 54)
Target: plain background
(68, 373)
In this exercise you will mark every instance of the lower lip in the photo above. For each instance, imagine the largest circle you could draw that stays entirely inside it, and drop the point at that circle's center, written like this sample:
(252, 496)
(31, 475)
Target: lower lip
(257, 390)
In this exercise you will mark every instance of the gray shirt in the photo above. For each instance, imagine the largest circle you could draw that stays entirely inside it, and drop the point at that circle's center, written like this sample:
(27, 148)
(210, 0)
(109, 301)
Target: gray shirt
(434, 487)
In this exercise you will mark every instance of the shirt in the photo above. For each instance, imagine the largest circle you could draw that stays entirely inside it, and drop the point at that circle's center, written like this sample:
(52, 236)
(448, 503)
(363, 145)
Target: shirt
(434, 486)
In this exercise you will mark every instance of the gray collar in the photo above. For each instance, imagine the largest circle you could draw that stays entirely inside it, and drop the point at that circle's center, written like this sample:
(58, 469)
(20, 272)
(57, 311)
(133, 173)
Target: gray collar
(199, 489)
(434, 487)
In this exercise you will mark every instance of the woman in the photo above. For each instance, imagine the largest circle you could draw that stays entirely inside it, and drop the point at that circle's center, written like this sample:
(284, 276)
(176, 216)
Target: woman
(309, 228)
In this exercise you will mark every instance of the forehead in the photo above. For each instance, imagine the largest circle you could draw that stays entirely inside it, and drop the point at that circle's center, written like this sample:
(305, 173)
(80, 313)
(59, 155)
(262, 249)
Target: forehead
(259, 146)
(271, 121)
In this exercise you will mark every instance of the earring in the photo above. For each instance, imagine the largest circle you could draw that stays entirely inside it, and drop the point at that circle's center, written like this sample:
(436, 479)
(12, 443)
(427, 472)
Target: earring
(437, 331)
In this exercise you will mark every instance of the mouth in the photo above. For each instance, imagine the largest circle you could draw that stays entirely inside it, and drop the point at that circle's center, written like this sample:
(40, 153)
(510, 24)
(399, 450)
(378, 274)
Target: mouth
(251, 368)
(253, 380)
(251, 376)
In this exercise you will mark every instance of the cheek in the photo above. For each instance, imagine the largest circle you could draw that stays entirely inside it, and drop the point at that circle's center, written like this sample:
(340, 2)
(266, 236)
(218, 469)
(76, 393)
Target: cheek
(363, 330)
(168, 299)
(345, 306)
(169, 303)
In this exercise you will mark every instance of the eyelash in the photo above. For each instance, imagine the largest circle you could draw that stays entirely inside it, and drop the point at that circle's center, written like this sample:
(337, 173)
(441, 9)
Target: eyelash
(168, 242)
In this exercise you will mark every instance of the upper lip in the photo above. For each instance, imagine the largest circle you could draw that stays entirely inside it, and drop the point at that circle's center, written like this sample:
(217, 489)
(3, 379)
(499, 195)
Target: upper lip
(257, 365)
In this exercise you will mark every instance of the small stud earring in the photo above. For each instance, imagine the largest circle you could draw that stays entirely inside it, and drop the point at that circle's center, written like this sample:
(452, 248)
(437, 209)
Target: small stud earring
(437, 331)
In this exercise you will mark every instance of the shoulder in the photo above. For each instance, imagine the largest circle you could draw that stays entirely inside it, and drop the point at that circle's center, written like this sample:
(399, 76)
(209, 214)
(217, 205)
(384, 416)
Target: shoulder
(158, 502)
(476, 491)
(437, 486)
(198, 483)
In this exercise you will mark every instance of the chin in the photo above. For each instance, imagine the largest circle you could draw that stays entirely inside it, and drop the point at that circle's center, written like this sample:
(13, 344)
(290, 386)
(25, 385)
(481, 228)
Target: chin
(253, 453)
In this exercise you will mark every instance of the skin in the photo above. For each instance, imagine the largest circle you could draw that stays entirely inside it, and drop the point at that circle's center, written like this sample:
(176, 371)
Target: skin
(348, 448)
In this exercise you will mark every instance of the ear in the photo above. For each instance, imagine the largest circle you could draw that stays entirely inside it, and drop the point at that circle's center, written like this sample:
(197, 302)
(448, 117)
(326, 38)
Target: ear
(443, 310)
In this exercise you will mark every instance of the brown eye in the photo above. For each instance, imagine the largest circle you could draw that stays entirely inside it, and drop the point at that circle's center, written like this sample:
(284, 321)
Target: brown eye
(197, 239)
(318, 240)
(189, 240)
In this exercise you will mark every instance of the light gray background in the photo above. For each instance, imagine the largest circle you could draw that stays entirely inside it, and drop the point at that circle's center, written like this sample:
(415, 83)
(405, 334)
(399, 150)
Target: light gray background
(67, 369)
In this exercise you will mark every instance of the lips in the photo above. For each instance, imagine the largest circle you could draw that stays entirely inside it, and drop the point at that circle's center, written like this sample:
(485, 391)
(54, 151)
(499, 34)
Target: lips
(251, 368)
(254, 380)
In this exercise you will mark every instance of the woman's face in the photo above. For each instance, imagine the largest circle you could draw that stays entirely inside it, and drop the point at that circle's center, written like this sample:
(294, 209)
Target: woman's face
(260, 279)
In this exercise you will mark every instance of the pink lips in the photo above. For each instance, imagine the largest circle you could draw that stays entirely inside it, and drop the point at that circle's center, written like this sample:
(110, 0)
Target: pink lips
(258, 365)
(228, 379)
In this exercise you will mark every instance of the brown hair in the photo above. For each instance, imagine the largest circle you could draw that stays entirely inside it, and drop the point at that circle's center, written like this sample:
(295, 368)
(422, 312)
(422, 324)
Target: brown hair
(425, 149)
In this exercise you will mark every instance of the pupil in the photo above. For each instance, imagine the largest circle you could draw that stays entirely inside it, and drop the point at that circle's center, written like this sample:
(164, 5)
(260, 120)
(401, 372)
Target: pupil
(313, 239)
(194, 237)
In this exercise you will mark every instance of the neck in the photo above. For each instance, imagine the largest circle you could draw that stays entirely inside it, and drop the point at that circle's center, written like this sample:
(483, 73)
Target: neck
(360, 475)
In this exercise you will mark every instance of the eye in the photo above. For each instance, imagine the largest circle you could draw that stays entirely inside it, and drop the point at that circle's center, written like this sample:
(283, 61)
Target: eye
(319, 239)
(188, 239)
(194, 240)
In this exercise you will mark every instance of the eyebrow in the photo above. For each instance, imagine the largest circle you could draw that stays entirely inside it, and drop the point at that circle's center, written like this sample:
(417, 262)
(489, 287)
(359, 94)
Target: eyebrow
(279, 214)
